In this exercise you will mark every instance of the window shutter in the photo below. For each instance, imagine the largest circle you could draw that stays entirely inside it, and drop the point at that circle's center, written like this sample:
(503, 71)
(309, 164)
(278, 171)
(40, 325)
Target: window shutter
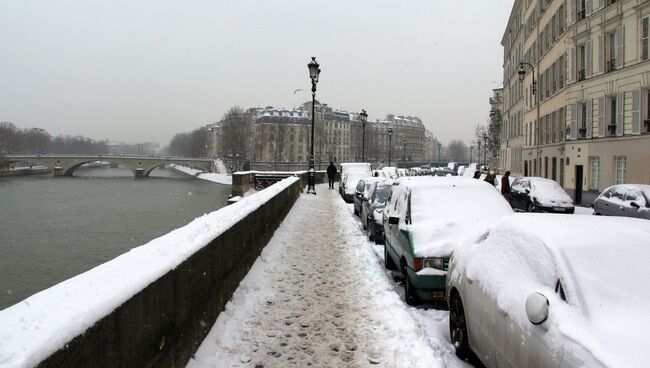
(636, 112)
(602, 110)
(601, 53)
(573, 108)
(588, 7)
(572, 75)
(618, 40)
(619, 113)
(589, 118)
(588, 58)
(574, 11)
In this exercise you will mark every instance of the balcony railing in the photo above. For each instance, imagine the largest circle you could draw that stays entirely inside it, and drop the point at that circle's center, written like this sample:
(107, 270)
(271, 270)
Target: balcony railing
(611, 130)
(582, 74)
(581, 14)
(610, 65)
(582, 133)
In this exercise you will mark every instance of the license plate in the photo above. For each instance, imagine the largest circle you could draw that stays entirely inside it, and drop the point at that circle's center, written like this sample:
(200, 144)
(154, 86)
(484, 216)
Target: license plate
(559, 209)
(438, 294)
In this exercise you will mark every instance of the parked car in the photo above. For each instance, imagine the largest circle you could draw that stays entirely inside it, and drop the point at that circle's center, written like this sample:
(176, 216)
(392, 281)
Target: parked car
(553, 291)
(391, 171)
(443, 171)
(425, 218)
(630, 200)
(361, 194)
(350, 175)
(534, 194)
(372, 209)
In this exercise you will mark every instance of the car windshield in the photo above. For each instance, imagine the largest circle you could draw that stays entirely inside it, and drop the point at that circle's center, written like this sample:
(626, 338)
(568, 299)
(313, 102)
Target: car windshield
(381, 193)
(546, 189)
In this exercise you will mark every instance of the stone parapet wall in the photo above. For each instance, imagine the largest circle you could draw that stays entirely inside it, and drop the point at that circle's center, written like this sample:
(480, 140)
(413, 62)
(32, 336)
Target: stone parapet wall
(164, 323)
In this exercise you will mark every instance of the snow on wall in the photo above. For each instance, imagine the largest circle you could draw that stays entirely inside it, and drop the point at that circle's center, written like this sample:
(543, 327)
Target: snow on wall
(40, 325)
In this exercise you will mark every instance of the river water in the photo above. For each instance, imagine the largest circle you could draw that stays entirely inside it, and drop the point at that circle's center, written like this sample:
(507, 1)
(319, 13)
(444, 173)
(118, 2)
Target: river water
(54, 228)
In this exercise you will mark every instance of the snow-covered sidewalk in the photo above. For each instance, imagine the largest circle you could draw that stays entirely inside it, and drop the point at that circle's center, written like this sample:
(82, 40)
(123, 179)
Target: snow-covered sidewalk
(319, 296)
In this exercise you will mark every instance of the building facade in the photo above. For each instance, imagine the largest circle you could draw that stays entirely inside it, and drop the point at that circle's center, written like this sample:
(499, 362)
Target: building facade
(583, 121)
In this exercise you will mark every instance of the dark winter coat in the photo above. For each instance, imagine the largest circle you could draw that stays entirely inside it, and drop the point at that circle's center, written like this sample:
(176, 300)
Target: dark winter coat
(505, 185)
(331, 171)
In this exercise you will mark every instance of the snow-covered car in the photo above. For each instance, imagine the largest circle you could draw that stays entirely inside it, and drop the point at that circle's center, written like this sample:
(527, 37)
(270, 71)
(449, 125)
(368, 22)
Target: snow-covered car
(553, 291)
(425, 218)
(351, 173)
(535, 194)
(391, 171)
(361, 193)
(630, 200)
(443, 171)
(372, 209)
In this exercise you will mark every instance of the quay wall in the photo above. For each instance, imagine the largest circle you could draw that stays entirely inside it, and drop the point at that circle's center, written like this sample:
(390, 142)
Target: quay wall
(152, 306)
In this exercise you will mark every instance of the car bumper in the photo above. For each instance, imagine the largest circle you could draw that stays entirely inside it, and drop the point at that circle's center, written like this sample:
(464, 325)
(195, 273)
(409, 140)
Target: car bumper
(429, 287)
(349, 198)
(551, 209)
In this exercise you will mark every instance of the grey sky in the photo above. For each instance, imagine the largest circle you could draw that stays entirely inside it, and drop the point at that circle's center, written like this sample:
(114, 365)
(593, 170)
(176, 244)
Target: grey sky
(144, 70)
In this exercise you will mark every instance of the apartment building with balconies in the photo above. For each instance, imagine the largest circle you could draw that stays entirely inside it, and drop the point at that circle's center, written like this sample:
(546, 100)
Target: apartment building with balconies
(586, 102)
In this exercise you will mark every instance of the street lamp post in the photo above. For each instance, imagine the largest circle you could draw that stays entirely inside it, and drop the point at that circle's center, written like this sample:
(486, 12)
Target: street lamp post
(522, 75)
(404, 152)
(478, 153)
(390, 136)
(314, 72)
(363, 117)
(485, 147)
(471, 148)
(439, 153)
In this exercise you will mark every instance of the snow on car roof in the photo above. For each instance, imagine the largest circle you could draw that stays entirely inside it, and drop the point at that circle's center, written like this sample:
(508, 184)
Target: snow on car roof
(601, 262)
(445, 210)
(547, 189)
(633, 187)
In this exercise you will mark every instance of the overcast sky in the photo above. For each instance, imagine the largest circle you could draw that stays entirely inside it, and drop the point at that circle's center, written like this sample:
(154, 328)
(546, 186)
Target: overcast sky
(143, 70)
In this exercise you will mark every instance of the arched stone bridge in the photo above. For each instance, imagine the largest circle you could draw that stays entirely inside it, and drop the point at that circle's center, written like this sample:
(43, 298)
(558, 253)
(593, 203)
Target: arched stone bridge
(140, 166)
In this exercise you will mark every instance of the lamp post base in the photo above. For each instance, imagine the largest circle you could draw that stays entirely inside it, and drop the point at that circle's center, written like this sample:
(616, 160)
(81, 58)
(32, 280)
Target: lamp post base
(311, 182)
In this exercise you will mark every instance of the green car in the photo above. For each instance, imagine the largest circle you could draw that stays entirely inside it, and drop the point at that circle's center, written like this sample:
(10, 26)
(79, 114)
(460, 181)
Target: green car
(425, 218)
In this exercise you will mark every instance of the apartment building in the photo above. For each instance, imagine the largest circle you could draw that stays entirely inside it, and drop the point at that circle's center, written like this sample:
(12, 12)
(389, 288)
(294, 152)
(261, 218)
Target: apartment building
(585, 85)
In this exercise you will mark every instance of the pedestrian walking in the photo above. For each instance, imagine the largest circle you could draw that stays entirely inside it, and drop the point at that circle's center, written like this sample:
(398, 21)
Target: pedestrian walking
(331, 174)
(489, 177)
(505, 186)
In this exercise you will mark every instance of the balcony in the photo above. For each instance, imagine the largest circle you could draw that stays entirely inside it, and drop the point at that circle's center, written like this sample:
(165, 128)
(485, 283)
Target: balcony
(495, 100)
(581, 14)
(582, 74)
(611, 130)
(582, 133)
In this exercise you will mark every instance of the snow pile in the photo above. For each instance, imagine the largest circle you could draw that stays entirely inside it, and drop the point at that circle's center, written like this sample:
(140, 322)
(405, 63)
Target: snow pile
(602, 265)
(38, 326)
(318, 296)
(213, 177)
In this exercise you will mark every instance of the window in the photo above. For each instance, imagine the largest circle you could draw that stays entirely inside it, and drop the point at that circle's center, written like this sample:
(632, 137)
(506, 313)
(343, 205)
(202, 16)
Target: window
(621, 170)
(610, 52)
(582, 62)
(595, 172)
(644, 38)
(611, 127)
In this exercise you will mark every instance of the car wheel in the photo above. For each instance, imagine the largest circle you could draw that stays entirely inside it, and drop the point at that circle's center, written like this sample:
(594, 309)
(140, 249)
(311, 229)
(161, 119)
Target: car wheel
(458, 327)
(530, 207)
(409, 292)
(388, 262)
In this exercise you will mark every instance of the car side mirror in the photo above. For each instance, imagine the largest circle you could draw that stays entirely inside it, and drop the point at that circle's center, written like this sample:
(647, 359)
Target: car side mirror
(536, 308)
(635, 205)
(393, 220)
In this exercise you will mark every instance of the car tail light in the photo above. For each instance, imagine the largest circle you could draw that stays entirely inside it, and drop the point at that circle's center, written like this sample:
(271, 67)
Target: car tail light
(417, 264)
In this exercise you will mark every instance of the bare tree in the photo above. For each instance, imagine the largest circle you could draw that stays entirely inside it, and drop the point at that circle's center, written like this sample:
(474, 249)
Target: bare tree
(457, 150)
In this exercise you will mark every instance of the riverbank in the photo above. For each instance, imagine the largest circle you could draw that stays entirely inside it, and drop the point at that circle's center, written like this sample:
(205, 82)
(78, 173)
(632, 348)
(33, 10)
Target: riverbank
(213, 177)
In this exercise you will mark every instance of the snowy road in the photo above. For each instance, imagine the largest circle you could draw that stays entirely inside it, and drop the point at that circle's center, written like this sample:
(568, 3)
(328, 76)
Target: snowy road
(319, 296)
